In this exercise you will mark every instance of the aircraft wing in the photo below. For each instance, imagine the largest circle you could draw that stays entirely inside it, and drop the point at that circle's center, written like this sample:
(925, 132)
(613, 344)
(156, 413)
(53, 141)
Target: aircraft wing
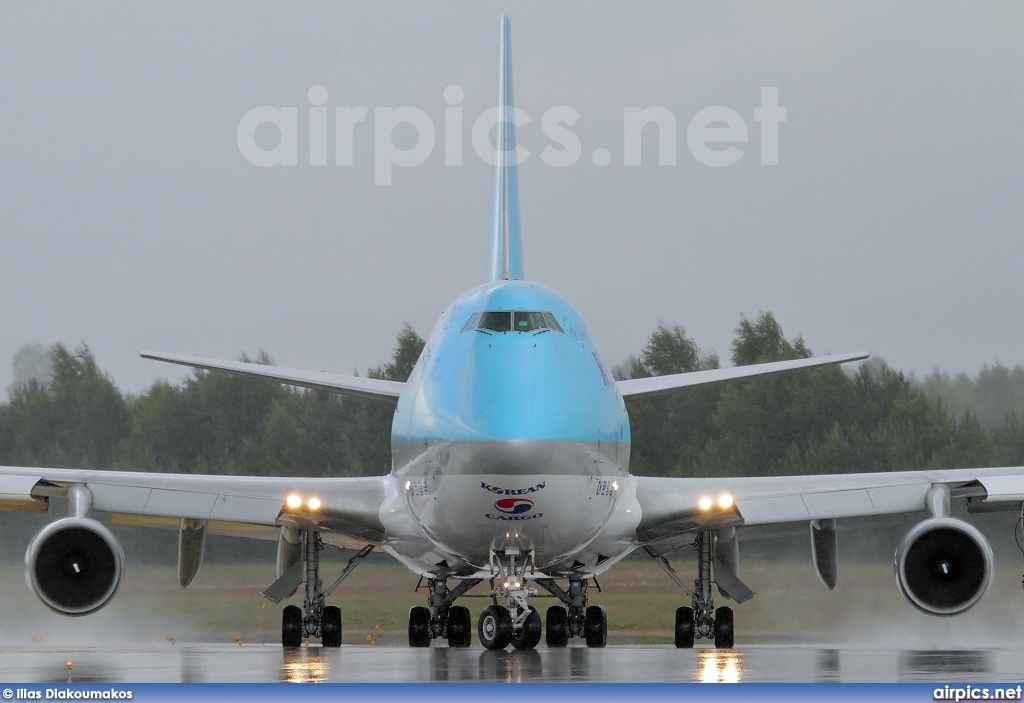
(670, 507)
(634, 388)
(377, 389)
(348, 506)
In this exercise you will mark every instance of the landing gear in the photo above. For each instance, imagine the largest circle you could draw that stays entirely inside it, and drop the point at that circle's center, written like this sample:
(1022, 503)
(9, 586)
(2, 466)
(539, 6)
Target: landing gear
(441, 618)
(460, 626)
(495, 627)
(419, 626)
(508, 567)
(684, 628)
(528, 636)
(576, 621)
(320, 620)
(703, 620)
(723, 628)
(557, 630)
(595, 626)
(330, 627)
(291, 626)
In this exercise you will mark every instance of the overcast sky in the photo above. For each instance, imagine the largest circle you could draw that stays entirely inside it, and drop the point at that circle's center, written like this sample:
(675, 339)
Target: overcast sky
(130, 219)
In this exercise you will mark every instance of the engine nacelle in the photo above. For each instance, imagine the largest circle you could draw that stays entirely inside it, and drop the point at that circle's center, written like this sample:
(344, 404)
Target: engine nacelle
(74, 565)
(943, 566)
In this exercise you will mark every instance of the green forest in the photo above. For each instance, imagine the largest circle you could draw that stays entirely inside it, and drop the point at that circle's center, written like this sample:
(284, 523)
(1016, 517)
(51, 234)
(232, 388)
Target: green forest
(65, 411)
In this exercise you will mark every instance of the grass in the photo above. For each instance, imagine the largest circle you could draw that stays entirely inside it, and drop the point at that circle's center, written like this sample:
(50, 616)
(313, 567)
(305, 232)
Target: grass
(791, 605)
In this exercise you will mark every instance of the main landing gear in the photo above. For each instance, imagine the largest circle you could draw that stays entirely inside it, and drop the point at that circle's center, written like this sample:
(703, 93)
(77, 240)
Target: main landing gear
(320, 620)
(702, 619)
(517, 623)
(577, 619)
(442, 618)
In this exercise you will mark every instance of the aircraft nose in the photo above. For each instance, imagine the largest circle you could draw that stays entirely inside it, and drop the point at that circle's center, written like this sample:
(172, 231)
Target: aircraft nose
(512, 417)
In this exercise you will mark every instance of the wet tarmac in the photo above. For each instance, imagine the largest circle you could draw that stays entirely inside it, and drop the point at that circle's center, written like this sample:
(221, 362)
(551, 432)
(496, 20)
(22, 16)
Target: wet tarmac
(271, 663)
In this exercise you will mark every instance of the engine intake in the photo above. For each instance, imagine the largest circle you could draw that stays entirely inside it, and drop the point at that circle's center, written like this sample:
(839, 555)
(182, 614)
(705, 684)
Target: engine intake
(943, 566)
(74, 565)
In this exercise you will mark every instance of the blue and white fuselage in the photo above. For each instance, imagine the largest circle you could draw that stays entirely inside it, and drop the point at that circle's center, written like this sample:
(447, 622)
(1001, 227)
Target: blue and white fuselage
(508, 437)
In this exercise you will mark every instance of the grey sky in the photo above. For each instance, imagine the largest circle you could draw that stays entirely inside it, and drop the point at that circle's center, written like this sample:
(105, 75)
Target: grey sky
(130, 220)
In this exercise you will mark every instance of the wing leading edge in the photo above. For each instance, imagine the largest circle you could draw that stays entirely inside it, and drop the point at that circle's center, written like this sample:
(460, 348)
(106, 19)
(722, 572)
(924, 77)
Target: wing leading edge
(374, 388)
(635, 388)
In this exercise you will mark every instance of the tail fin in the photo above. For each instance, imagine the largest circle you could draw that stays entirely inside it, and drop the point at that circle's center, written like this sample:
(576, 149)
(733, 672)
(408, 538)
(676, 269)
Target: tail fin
(506, 242)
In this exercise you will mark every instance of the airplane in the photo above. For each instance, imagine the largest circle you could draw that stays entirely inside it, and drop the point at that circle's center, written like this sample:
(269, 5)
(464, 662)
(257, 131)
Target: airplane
(510, 464)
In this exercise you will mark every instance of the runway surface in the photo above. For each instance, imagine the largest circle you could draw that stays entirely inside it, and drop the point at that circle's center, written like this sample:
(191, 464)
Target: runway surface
(270, 663)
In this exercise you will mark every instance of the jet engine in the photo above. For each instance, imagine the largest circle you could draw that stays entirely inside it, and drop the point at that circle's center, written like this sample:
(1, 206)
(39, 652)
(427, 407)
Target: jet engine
(943, 566)
(74, 565)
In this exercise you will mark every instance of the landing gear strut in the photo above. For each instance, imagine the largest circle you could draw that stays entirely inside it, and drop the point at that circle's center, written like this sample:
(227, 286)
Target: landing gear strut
(578, 620)
(518, 624)
(442, 618)
(320, 620)
(702, 620)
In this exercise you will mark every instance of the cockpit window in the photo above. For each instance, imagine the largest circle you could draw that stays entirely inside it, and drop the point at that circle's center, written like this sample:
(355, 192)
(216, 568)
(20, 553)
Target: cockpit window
(552, 323)
(496, 321)
(513, 321)
(528, 321)
(471, 323)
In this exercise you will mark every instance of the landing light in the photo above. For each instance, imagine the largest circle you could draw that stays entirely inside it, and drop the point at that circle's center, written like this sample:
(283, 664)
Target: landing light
(705, 503)
(725, 501)
(314, 504)
(293, 501)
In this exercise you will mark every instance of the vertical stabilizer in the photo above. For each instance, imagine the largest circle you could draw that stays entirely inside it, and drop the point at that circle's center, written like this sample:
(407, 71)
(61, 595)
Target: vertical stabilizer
(506, 243)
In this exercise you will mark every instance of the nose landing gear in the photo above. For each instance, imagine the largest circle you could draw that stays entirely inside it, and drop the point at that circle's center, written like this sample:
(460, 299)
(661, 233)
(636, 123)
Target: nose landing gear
(518, 624)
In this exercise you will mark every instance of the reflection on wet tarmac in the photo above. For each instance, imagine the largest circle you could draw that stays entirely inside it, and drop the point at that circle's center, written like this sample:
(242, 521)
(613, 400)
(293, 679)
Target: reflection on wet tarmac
(748, 663)
(516, 666)
(828, 666)
(304, 665)
(718, 666)
(954, 665)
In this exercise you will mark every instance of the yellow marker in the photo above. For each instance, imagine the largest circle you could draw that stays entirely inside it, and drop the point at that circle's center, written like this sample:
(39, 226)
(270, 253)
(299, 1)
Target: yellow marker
(70, 664)
(170, 639)
(238, 640)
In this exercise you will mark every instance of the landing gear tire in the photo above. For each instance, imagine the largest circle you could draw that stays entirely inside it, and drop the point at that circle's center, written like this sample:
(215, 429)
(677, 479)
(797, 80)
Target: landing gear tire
(291, 626)
(723, 628)
(557, 630)
(419, 626)
(330, 628)
(684, 628)
(495, 627)
(595, 626)
(460, 626)
(529, 636)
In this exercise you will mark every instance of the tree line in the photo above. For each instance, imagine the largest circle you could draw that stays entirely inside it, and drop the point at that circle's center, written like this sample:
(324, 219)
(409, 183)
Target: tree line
(65, 411)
